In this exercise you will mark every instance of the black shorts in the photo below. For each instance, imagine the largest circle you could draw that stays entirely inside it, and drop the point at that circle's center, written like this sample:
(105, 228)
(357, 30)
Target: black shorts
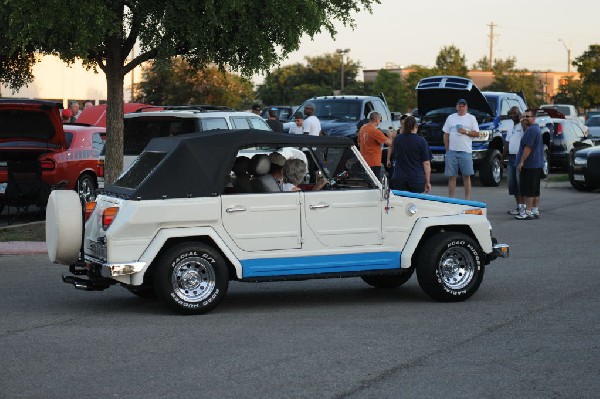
(529, 183)
(407, 186)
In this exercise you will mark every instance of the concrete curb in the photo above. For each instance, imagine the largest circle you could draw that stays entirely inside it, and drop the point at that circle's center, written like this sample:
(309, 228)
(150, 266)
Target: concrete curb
(23, 248)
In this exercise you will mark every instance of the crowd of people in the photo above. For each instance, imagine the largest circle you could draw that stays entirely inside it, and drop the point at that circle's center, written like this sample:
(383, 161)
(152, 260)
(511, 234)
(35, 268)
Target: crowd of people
(70, 114)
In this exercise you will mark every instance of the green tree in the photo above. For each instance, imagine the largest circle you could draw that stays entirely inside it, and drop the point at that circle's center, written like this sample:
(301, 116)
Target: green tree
(418, 73)
(241, 35)
(483, 64)
(175, 81)
(569, 92)
(390, 84)
(292, 84)
(450, 61)
(588, 66)
(508, 78)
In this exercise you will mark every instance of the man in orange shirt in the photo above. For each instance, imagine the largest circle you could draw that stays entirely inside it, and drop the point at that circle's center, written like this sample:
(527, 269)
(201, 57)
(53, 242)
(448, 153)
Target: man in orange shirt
(370, 139)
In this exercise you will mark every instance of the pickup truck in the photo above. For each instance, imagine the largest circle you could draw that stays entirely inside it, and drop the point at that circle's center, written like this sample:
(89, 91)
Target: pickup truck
(568, 110)
(344, 115)
(437, 96)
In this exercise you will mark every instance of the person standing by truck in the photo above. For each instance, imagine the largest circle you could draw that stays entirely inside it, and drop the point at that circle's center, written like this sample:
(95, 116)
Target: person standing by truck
(370, 139)
(511, 149)
(530, 161)
(311, 125)
(412, 160)
(459, 130)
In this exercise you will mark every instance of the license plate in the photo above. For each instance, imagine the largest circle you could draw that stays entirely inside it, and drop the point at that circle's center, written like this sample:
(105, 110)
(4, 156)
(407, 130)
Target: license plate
(3, 187)
(438, 157)
(578, 178)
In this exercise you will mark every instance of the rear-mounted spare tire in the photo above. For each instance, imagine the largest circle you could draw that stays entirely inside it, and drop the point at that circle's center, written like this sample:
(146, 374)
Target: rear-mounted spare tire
(64, 225)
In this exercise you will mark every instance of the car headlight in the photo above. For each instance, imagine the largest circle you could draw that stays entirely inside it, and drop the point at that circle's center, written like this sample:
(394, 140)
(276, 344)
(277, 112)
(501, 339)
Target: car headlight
(484, 135)
(580, 161)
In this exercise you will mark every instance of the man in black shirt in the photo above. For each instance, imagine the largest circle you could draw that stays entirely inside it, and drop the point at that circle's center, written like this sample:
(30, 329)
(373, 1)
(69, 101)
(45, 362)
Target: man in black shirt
(273, 123)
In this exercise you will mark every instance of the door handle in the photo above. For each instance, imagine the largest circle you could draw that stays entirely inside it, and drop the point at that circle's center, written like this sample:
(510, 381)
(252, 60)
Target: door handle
(235, 209)
(319, 206)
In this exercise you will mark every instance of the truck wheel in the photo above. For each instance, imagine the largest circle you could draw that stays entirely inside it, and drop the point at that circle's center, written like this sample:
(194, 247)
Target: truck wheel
(191, 278)
(450, 267)
(390, 280)
(546, 165)
(490, 170)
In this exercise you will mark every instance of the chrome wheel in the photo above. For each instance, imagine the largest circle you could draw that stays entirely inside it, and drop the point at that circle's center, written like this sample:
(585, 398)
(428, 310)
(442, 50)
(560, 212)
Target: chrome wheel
(497, 171)
(86, 188)
(456, 268)
(193, 279)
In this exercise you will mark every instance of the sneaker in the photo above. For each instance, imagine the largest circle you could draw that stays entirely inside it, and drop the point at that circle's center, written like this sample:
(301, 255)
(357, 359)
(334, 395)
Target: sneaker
(536, 215)
(514, 212)
(524, 216)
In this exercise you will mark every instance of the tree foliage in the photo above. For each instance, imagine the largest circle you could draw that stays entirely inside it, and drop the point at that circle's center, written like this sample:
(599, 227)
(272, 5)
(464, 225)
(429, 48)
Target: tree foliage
(243, 35)
(321, 76)
(175, 82)
(509, 78)
(569, 92)
(390, 84)
(588, 66)
(450, 61)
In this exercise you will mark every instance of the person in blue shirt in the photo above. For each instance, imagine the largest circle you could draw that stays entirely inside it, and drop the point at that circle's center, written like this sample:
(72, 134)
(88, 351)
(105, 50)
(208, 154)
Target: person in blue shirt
(530, 160)
(412, 160)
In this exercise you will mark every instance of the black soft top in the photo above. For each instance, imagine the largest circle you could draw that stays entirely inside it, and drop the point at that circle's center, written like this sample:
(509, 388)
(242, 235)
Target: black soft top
(198, 164)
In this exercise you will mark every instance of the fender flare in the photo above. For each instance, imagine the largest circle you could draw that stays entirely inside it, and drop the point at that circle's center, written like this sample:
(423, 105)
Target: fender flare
(479, 225)
(163, 235)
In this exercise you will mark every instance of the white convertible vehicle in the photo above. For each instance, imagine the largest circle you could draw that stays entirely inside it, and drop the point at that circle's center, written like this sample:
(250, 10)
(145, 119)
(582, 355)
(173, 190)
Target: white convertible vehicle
(175, 225)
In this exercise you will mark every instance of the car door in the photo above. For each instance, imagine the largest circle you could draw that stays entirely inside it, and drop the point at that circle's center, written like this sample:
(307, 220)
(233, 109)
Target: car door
(263, 222)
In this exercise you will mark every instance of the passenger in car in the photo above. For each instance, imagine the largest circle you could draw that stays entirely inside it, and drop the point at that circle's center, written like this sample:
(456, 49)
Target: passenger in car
(294, 171)
(277, 162)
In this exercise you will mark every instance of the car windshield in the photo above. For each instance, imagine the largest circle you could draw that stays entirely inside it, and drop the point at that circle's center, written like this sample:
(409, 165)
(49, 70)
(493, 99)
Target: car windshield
(348, 110)
(593, 121)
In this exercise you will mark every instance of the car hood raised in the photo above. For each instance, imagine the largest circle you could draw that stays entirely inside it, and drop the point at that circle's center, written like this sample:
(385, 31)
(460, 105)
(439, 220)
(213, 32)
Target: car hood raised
(30, 125)
(437, 92)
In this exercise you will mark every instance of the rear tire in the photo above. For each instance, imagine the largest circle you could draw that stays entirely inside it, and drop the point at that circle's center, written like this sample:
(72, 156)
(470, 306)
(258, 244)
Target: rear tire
(490, 170)
(191, 278)
(86, 187)
(390, 280)
(450, 267)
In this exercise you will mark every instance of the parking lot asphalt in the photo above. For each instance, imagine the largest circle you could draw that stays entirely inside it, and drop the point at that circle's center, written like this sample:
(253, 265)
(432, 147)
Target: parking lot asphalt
(37, 247)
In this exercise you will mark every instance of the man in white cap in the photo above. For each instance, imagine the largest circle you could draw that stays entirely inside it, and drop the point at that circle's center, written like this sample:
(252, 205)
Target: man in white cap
(311, 124)
(459, 130)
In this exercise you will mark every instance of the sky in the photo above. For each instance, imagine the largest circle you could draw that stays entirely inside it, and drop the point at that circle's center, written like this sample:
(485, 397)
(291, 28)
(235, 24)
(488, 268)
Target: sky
(413, 32)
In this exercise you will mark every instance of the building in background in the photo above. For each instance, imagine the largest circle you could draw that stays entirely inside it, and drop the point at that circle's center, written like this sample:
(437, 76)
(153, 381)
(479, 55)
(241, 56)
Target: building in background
(56, 81)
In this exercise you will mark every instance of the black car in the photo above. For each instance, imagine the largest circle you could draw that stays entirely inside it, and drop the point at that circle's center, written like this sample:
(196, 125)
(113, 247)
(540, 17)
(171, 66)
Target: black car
(568, 137)
(584, 170)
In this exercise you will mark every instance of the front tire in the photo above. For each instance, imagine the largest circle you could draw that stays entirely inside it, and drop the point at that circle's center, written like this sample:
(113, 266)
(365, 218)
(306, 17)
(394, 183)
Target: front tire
(390, 280)
(191, 278)
(450, 267)
(490, 170)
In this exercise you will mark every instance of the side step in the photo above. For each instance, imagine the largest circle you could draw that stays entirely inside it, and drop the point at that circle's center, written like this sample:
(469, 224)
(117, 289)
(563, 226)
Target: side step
(87, 285)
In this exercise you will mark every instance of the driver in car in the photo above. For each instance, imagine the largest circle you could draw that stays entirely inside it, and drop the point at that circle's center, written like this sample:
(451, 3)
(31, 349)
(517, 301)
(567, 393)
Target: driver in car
(294, 171)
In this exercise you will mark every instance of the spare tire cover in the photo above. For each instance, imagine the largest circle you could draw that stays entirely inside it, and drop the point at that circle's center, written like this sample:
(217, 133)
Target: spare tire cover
(64, 224)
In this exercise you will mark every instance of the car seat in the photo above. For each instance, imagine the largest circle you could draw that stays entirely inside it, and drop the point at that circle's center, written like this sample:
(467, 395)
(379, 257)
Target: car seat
(262, 181)
(242, 178)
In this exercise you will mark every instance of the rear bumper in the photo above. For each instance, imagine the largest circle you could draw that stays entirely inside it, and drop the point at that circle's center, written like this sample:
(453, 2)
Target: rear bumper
(116, 269)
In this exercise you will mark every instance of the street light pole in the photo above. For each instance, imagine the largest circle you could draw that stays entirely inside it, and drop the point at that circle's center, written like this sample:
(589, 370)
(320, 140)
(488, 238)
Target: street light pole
(568, 55)
(342, 53)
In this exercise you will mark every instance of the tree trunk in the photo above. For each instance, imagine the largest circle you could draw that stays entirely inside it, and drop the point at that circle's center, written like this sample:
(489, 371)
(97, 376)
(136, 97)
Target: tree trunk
(113, 162)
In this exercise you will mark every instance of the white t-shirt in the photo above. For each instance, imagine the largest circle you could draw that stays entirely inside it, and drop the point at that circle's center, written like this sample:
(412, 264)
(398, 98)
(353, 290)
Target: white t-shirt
(295, 129)
(513, 137)
(457, 141)
(312, 126)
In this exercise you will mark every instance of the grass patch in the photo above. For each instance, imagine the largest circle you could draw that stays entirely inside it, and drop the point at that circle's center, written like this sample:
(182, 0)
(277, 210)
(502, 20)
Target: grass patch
(24, 232)
(558, 178)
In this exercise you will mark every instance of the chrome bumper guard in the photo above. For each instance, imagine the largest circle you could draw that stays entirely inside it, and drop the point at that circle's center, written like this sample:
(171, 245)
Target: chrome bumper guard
(117, 269)
(500, 250)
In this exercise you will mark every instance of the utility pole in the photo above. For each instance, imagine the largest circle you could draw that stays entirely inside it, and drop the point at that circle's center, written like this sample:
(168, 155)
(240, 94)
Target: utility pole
(568, 55)
(491, 36)
(342, 53)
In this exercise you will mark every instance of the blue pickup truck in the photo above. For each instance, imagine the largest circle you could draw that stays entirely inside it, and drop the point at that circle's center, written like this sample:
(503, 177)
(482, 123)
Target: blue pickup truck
(437, 97)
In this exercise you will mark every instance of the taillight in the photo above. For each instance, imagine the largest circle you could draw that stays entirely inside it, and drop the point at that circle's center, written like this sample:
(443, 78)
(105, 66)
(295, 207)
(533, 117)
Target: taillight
(47, 164)
(101, 168)
(108, 216)
(559, 129)
(89, 208)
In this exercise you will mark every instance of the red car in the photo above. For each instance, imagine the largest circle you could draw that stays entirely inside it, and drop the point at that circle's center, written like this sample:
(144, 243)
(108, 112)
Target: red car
(68, 154)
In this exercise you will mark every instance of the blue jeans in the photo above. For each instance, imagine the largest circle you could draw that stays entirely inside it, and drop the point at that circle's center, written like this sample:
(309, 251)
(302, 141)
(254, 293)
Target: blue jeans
(513, 176)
